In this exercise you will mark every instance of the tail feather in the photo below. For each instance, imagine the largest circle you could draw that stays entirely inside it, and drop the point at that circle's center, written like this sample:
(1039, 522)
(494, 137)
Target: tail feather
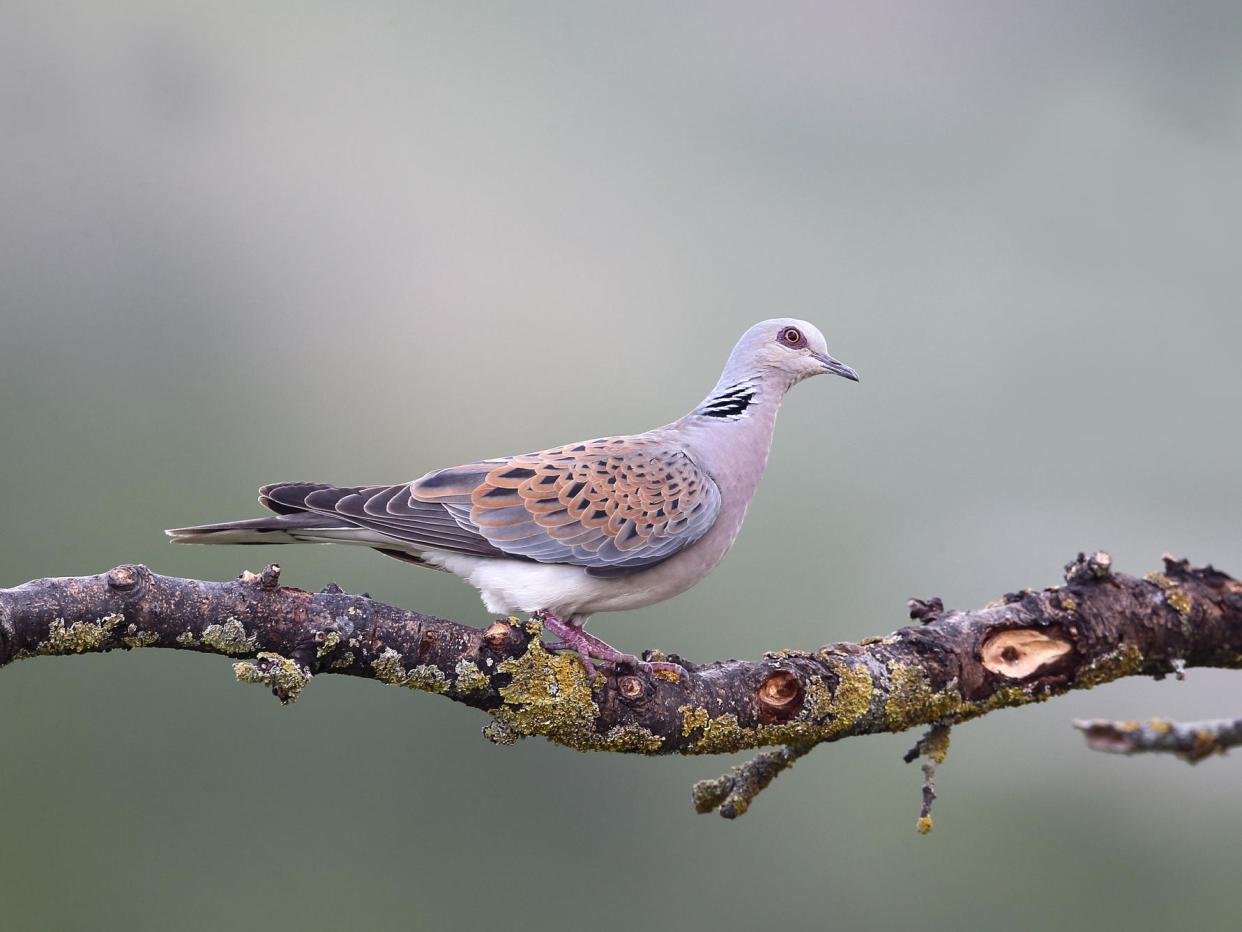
(317, 513)
(278, 529)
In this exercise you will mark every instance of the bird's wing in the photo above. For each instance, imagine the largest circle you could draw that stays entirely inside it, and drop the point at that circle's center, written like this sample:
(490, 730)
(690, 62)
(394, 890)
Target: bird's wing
(613, 505)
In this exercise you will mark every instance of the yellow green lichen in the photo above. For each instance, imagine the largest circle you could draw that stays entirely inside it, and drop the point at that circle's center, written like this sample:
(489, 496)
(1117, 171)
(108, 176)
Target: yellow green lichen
(135, 638)
(1124, 661)
(187, 639)
(330, 641)
(229, 638)
(427, 678)
(632, 739)
(286, 677)
(388, 669)
(924, 825)
(911, 700)
(693, 719)
(1180, 601)
(847, 704)
(550, 695)
(825, 714)
(468, 677)
(717, 735)
(497, 732)
(345, 660)
(140, 638)
(78, 638)
(1007, 697)
(1174, 594)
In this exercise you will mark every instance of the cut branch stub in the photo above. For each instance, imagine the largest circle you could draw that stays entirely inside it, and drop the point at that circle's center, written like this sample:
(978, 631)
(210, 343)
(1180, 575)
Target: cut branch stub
(1019, 652)
(780, 697)
(925, 611)
(1097, 566)
(630, 687)
(123, 578)
(496, 635)
(269, 579)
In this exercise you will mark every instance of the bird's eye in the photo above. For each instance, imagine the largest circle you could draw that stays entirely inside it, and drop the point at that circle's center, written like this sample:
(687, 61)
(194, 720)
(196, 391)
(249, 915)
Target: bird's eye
(792, 336)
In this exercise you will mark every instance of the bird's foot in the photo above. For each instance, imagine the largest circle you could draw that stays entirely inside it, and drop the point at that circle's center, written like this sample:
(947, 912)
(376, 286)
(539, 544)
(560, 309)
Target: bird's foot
(589, 648)
(570, 637)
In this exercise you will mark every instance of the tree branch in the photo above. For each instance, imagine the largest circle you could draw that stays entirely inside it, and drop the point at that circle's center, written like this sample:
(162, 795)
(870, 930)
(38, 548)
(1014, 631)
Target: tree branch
(1191, 741)
(951, 667)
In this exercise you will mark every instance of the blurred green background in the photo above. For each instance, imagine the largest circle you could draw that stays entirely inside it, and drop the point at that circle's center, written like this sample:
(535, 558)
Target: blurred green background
(351, 242)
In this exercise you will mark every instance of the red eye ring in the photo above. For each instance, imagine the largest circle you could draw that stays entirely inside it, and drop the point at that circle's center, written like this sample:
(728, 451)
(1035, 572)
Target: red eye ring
(792, 336)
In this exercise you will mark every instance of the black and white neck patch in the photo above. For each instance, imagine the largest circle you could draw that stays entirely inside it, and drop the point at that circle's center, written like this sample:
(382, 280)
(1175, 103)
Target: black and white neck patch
(730, 402)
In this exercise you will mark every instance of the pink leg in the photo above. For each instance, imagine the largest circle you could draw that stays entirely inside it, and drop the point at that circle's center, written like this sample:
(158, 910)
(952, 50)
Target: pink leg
(588, 647)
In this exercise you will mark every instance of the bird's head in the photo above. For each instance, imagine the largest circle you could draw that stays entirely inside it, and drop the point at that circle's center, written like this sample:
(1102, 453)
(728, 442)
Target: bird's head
(791, 349)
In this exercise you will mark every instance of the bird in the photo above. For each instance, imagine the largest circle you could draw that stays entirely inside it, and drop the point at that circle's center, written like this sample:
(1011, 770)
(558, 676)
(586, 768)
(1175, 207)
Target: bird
(603, 525)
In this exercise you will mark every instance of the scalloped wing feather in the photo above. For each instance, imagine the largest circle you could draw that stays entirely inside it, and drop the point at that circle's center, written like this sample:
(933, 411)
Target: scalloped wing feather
(612, 505)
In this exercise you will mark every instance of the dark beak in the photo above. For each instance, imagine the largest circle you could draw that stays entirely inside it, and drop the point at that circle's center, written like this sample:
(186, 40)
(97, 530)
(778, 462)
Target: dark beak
(836, 367)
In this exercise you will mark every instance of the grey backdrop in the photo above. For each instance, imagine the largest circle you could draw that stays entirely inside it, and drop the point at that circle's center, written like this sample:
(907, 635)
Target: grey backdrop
(355, 241)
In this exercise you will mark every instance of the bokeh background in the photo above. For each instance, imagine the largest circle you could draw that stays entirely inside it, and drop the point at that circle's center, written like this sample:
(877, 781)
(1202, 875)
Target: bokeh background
(354, 241)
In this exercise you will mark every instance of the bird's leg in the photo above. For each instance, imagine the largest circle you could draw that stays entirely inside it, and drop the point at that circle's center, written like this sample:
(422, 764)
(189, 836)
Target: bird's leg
(602, 650)
(588, 647)
(571, 637)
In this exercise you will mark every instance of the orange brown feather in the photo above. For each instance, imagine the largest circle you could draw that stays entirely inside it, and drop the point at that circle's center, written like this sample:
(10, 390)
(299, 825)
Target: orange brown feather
(616, 503)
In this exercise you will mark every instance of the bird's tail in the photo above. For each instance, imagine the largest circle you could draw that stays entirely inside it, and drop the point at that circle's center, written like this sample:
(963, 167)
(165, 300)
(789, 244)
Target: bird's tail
(300, 528)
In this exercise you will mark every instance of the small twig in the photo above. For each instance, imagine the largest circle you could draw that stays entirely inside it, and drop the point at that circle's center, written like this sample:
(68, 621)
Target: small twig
(1191, 741)
(925, 611)
(732, 793)
(934, 745)
(924, 824)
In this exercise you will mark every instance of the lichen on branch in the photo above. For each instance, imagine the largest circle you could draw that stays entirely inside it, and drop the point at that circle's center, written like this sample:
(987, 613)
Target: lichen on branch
(949, 667)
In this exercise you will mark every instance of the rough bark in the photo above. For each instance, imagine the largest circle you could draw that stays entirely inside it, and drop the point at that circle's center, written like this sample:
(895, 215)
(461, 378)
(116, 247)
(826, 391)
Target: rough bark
(949, 667)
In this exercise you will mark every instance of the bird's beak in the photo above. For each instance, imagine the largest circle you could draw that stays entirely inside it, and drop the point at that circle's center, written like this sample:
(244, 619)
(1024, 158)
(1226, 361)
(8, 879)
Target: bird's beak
(835, 366)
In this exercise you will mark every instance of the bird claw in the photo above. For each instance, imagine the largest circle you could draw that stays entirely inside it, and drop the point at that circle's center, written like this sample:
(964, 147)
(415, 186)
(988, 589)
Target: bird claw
(589, 648)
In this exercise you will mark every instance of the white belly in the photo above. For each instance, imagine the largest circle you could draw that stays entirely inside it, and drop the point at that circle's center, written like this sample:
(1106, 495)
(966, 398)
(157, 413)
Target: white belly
(509, 586)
